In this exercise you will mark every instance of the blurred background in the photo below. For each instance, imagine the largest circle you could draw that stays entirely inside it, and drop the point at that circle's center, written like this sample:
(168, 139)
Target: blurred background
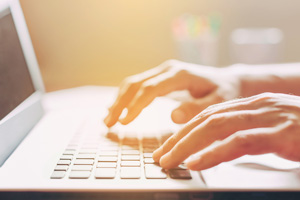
(98, 42)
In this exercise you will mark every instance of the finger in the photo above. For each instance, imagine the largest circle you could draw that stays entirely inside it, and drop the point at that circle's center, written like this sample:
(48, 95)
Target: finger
(127, 91)
(234, 105)
(187, 110)
(215, 128)
(252, 142)
(117, 108)
(157, 86)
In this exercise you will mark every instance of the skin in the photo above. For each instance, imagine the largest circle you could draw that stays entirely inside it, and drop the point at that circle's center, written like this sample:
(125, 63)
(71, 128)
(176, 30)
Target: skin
(255, 124)
(265, 123)
(208, 85)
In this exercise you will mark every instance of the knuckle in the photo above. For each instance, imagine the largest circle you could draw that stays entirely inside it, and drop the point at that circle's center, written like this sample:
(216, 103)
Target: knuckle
(266, 96)
(181, 73)
(147, 87)
(130, 84)
(202, 115)
(127, 80)
(170, 62)
(170, 65)
(276, 110)
(248, 117)
(212, 119)
(180, 145)
(211, 108)
(169, 143)
(293, 118)
(290, 134)
(243, 141)
(215, 119)
(111, 108)
(293, 125)
(265, 99)
(131, 80)
(254, 143)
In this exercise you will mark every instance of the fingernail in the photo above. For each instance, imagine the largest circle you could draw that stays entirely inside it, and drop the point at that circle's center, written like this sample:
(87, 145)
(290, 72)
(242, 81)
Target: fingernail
(164, 162)
(107, 119)
(123, 121)
(156, 154)
(179, 115)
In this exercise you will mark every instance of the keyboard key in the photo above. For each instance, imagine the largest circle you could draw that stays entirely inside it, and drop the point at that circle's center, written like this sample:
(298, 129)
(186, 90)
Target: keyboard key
(66, 157)
(84, 162)
(133, 147)
(130, 141)
(90, 146)
(64, 162)
(88, 151)
(150, 146)
(58, 174)
(146, 140)
(107, 159)
(130, 157)
(130, 164)
(61, 167)
(106, 165)
(148, 155)
(79, 174)
(72, 147)
(150, 143)
(154, 172)
(82, 168)
(109, 144)
(130, 172)
(148, 150)
(69, 152)
(108, 153)
(180, 174)
(181, 166)
(74, 143)
(149, 161)
(86, 156)
(92, 143)
(105, 173)
(109, 148)
(130, 152)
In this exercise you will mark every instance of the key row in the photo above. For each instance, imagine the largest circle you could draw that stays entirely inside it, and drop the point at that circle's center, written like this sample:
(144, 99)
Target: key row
(152, 171)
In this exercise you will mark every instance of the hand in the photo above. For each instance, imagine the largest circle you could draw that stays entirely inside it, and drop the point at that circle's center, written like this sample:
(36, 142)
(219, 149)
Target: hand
(208, 85)
(265, 123)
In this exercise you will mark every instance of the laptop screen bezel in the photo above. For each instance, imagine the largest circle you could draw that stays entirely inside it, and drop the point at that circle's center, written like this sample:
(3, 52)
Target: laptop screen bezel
(16, 125)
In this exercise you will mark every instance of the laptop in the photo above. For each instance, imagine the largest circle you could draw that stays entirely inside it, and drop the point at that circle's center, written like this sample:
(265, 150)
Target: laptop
(48, 143)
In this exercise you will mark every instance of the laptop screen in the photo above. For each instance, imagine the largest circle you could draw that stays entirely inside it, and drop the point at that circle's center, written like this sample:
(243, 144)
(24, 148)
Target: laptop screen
(20, 87)
(15, 81)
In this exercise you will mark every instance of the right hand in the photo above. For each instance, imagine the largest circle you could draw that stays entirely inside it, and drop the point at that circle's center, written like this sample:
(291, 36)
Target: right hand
(208, 85)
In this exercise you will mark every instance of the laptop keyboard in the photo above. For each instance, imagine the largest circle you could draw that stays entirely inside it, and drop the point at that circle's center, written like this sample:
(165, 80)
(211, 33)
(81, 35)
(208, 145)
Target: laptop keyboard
(111, 157)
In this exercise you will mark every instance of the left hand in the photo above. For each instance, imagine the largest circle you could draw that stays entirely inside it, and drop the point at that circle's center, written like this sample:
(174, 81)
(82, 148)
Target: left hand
(265, 123)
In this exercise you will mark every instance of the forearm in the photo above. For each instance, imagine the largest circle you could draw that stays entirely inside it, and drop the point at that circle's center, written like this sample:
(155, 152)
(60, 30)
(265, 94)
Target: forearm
(277, 78)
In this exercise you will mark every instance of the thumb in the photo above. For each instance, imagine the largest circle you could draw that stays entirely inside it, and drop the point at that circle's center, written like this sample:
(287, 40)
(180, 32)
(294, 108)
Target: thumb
(187, 110)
